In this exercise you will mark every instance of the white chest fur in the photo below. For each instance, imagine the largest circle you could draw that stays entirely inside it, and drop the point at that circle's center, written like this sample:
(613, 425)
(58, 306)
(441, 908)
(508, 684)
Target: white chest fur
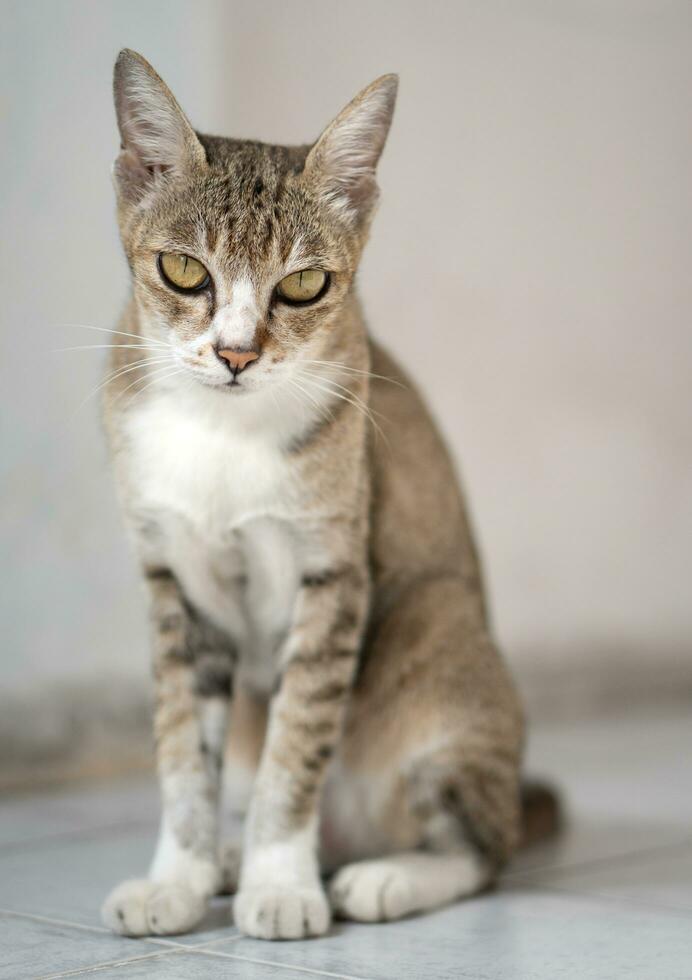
(208, 475)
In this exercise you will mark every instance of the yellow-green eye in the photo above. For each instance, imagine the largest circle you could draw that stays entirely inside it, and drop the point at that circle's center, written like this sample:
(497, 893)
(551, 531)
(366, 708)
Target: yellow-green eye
(301, 287)
(182, 271)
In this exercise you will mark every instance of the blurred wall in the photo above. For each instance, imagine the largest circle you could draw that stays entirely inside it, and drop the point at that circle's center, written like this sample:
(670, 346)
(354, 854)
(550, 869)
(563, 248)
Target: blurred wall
(74, 661)
(529, 264)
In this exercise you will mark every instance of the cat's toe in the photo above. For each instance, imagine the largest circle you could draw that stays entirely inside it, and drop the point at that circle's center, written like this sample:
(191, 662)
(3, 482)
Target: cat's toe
(140, 907)
(372, 891)
(281, 913)
(125, 909)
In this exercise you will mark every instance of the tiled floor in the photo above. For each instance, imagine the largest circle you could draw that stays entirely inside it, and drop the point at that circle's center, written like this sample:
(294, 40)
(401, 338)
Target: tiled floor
(612, 899)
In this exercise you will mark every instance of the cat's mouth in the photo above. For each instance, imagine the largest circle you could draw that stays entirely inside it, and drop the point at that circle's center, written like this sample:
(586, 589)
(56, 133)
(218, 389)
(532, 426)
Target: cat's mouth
(232, 385)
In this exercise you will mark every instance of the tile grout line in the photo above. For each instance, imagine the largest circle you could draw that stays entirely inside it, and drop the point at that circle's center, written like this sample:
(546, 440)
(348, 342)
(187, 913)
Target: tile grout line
(103, 931)
(83, 833)
(51, 920)
(598, 862)
(623, 900)
(304, 969)
(170, 948)
(96, 967)
(276, 964)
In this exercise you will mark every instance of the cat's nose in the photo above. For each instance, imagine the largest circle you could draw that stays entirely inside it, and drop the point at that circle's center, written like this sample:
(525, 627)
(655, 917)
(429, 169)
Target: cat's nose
(237, 360)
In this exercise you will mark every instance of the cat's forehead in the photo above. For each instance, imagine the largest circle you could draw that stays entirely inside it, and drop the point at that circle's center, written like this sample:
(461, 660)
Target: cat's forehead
(247, 208)
(252, 158)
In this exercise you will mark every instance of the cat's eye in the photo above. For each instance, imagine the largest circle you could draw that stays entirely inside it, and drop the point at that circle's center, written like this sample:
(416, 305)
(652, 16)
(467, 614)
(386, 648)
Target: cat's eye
(182, 271)
(302, 287)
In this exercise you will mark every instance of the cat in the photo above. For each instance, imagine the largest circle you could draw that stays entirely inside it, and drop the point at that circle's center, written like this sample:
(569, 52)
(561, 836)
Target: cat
(303, 543)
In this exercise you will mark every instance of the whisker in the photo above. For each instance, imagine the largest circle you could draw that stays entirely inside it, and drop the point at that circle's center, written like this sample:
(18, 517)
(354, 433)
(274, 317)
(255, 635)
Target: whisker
(330, 381)
(61, 350)
(296, 394)
(126, 369)
(275, 400)
(347, 367)
(158, 375)
(322, 409)
(365, 411)
(142, 362)
(121, 333)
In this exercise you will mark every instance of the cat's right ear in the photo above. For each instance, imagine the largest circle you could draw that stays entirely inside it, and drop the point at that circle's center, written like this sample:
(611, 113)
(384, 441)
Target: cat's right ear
(155, 136)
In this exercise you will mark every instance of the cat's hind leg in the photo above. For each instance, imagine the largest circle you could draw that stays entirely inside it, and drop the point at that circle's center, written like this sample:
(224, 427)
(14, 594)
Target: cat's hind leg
(422, 805)
(411, 881)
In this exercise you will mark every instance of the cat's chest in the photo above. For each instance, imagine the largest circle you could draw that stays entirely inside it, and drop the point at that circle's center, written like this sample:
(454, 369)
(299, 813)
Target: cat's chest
(203, 469)
(222, 509)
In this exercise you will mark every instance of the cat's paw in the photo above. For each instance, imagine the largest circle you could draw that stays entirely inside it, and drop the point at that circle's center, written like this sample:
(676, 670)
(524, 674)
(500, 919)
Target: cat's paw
(372, 891)
(281, 913)
(140, 907)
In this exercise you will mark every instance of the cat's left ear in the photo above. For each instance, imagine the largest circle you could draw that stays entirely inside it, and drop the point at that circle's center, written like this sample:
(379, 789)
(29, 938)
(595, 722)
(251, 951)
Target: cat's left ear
(344, 158)
(156, 137)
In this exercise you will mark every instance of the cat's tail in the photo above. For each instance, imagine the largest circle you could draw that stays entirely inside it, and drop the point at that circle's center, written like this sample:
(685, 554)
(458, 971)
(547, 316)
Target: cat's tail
(542, 814)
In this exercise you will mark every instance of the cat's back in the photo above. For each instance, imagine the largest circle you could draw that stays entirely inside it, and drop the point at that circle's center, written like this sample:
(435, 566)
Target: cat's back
(419, 524)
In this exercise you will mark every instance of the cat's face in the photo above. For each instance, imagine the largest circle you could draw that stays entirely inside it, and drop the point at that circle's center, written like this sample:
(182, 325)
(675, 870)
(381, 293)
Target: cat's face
(241, 268)
(243, 254)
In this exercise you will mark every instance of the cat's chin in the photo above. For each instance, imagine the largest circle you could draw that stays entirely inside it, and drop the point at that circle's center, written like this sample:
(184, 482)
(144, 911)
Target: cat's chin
(234, 388)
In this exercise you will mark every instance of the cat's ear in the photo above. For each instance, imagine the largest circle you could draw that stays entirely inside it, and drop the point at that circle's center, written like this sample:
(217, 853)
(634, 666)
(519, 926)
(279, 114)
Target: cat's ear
(344, 158)
(156, 138)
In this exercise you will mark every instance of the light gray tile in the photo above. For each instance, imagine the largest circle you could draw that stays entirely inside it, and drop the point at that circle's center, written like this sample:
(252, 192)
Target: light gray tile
(512, 935)
(183, 965)
(591, 840)
(28, 819)
(33, 949)
(626, 786)
(662, 879)
(628, 790)
(69, 880)
(635, 769)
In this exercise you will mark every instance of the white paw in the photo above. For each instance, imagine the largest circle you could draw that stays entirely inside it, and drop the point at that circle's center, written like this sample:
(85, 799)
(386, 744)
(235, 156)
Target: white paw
(373, 891)
(281, 913)
(140, 907)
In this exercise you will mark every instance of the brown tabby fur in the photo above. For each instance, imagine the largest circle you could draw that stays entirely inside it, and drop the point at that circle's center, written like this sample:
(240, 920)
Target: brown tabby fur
(389, 674)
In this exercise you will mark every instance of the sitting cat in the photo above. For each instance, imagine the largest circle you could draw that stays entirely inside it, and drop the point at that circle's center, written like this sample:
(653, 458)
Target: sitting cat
(303, 542)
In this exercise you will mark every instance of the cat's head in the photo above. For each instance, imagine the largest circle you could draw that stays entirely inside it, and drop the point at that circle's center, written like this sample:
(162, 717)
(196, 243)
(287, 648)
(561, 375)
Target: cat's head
(242, 253)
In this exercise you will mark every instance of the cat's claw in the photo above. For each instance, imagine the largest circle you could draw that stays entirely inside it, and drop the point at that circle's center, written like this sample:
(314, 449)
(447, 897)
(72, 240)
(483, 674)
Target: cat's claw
(281, 913)
(140, 907)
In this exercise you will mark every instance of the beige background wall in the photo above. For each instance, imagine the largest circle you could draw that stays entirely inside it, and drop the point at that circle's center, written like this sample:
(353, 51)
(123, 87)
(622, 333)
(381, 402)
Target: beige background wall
(530, 264)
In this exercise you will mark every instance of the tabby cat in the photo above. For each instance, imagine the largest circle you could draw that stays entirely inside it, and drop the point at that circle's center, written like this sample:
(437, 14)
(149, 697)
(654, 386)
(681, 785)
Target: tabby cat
(310, 571)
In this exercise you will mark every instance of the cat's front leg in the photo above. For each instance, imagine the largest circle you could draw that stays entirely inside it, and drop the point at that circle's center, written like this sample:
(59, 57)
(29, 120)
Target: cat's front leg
(280, 894)
(192, 671)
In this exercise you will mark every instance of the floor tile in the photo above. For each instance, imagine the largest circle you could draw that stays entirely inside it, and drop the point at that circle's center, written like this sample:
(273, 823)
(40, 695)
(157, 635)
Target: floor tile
(610, 898)
(589, 840)
(196, 966)
(78, 810)
(30, 948)
(69, 879)
(636, 768)
(626, 787)
(512, 935)
(660, 879)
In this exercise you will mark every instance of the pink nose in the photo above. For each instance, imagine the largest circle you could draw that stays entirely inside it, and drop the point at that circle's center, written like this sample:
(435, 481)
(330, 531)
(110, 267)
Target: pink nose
(238, 360)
